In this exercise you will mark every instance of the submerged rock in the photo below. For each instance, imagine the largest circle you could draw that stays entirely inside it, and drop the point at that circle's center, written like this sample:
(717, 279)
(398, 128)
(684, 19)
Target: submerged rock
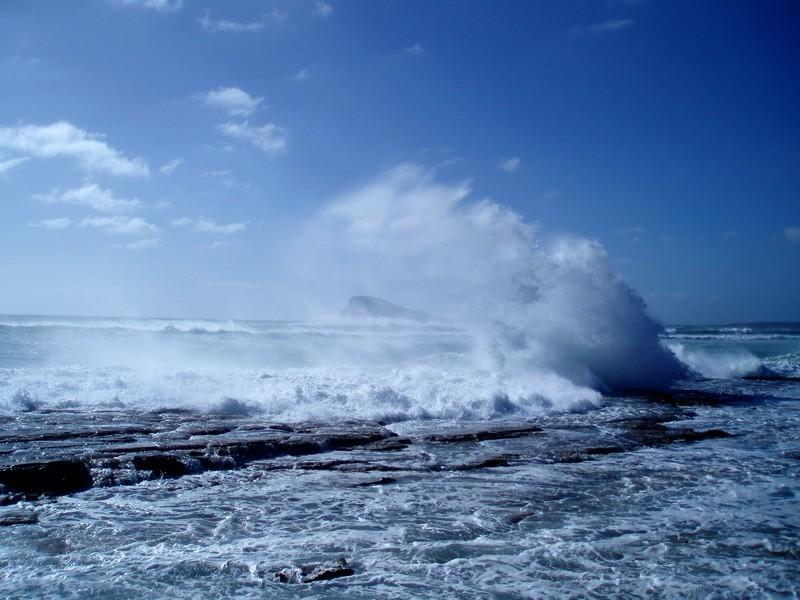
(315, 572)
(19, 518)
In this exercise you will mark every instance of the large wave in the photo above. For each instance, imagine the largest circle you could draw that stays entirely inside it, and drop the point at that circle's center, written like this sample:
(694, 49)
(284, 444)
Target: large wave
(546, 304)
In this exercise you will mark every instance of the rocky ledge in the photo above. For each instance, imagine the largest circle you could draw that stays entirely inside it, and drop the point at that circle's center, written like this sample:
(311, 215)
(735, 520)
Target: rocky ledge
(56, 453)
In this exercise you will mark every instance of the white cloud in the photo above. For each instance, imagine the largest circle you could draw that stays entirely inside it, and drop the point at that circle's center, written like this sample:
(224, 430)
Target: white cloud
(220, 244)
(92, 196)
(322, 10)
(120, 225)
(225, 26)
(270, 138)
(144, 244)
(609, 26)
(234, 101)
(64, 139)
(551, 194)
(302, 75)
(169, 167)
(792, 234)
(229, 26)
(7, 165)
(58, 223)
(415, 50)
(509, 165)
(164, 6)
(204, 225)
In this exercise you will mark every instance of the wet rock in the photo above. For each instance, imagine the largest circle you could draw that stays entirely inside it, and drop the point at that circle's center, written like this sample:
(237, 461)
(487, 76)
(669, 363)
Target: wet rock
(480, 435)
(601, 450)
(657, 434)
(315, 572)
(793, 454)
(371, 482)
(770, 376)
(389, 445)
(519, 516)
(76, 434)
(501, 460)
(18, 518)
(346, 466)
(161, 465)
(50, 478)
(680, 397)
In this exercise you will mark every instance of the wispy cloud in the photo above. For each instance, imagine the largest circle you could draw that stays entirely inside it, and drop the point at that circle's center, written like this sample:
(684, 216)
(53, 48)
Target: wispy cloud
(509, 165)
(270, 138)
(169, 167)
(792, 235)
(551, 194)
(633, 233)
(608, 26)
(233, 100)
(414, 49)
(57, 223)
(322, 10)
(204, 225)
(92, 196)
(144, 244)
(302, 75)
(164, 6)
(274, 17)
(63, 139)
(7, 165)
(120, 225)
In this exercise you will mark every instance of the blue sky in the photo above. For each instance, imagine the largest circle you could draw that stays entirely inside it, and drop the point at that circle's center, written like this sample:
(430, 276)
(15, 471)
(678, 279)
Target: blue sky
(163, 158)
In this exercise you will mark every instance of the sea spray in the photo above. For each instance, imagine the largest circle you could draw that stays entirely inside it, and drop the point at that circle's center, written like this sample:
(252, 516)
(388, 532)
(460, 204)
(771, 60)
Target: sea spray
(534, 303)
(521, 324)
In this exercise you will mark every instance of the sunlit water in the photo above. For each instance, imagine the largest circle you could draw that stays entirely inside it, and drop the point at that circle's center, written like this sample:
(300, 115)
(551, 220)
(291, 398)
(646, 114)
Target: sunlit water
(714, 519)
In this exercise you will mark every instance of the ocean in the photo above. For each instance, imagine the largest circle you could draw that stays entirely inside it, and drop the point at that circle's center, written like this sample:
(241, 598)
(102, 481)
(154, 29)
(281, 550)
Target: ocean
(517, 468)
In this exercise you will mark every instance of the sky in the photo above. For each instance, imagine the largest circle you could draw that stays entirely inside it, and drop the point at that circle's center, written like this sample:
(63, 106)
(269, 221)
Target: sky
(166, 157)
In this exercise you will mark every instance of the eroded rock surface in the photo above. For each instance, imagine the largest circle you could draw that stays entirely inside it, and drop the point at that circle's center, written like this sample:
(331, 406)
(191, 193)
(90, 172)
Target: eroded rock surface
(52, 454)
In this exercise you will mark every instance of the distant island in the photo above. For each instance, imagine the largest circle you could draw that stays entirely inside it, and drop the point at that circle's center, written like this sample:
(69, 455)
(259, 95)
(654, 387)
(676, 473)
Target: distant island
(370, 306)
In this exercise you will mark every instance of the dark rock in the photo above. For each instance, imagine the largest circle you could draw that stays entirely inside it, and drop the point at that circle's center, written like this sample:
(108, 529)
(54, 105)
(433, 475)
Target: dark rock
(371, 482)
(346, 466)
(18, 518)
(657, 434)
(793, 454)
(481, 435)
(161, 465)
(315, 572)
(51, 478)
(520, 515)
(501, 460)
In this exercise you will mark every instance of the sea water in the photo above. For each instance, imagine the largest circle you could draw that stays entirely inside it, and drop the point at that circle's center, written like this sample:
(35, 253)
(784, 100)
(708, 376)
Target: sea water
(713, 519)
